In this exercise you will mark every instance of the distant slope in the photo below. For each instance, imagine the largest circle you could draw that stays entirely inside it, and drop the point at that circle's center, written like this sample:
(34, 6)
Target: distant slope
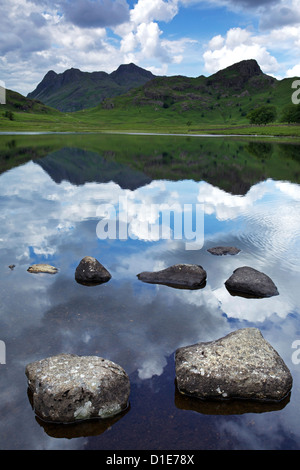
(74, 90)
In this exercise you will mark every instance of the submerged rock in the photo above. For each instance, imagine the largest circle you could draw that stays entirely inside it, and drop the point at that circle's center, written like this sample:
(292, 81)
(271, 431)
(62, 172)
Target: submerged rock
(67, 388)
(223, 250)
(250, 282)
(241, 365)
(42, 268)
(186, 276)
(90, 271)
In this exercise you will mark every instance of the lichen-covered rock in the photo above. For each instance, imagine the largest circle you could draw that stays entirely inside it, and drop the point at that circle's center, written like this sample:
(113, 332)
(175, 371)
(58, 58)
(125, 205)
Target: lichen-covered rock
(224, 250)
(189, 276)
(90, 271)
(249, 281)
(42, 268)
(241, 365)
(67, 388)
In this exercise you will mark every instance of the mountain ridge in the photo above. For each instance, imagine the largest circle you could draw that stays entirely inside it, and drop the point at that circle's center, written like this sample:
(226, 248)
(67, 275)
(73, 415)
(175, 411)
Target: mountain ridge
(234, 86)
(74, 90)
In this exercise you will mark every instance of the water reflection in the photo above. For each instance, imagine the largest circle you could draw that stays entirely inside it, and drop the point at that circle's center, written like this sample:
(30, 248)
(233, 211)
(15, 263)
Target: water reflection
(88, 428)
(138, 325)
(230, 407)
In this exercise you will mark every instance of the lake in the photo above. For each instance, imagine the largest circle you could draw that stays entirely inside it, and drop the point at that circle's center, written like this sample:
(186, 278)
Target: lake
(54, 192)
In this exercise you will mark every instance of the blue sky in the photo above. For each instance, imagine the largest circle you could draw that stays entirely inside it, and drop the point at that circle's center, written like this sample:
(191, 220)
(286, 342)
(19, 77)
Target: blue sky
(168, 37)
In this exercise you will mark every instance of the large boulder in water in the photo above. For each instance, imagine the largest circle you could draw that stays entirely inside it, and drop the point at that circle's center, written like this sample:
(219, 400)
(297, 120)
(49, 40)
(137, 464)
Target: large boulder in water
(241, 365)
(250, 282)
(185, 276)
(90, 271)
(67, 388)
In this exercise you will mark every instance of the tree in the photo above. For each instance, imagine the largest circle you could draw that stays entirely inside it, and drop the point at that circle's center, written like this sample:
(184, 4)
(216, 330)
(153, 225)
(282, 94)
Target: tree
(9, 115)
(262, 115)
(291, 113)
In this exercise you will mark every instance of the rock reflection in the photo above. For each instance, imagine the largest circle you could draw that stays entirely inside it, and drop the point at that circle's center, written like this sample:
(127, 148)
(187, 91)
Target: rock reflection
(227, 407)
(93, 427)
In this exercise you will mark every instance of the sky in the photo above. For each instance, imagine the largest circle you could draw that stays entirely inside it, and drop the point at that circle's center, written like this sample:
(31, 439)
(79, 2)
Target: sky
(167, 37)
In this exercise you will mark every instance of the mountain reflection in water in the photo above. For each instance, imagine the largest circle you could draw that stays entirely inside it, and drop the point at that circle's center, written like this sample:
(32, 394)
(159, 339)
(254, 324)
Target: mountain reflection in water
(49, 213)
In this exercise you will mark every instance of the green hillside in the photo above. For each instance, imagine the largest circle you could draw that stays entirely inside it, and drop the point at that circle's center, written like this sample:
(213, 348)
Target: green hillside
(15, 102)
(223, 98)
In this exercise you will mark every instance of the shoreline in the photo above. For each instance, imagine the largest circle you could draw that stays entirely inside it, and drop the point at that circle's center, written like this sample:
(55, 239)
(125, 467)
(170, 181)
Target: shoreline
(142, 133)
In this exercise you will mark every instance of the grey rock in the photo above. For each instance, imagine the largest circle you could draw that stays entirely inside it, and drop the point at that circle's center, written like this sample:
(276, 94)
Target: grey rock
(67, 388)
(42, 268)
(223, 250)
(241, 365)
(252, 283)
(90, 271)
(187, 276)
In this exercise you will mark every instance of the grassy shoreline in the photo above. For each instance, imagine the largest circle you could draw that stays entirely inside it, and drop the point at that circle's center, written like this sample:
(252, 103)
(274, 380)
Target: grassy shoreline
(107, 122)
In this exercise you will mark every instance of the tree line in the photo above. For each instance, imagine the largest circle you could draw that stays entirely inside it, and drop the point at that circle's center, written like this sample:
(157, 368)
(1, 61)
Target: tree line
(266, 114)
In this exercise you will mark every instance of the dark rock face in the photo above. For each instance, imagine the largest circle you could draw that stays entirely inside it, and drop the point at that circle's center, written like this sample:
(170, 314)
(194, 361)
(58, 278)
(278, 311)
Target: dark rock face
(241, 365)
(237, 75)
(223, 250)
(185, 276)
(250, 282)
(91, 272)
(68, 388)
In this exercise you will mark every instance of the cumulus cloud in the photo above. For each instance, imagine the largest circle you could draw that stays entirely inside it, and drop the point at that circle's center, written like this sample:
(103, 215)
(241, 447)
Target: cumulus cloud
(238, 44)
(149, 10)
(141, 36)
(294, 71)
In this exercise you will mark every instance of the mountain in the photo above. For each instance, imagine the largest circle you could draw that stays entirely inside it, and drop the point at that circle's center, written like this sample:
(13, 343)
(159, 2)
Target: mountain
(226, 97)
(74, 90)
(229, 86)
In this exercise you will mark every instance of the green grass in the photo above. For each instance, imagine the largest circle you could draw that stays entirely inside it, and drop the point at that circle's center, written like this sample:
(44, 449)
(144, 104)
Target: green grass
(127, 116)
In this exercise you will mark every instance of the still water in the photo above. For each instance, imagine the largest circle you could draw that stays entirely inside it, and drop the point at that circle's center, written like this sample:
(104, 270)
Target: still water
(52, 193)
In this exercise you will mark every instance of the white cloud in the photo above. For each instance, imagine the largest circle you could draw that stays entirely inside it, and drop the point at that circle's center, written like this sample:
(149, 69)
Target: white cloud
(217, 42)
(294, 71)
(238, 44)
(146, 11)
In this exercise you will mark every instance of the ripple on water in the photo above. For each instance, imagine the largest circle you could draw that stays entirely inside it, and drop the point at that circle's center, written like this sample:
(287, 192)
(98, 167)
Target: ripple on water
(272, 233)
